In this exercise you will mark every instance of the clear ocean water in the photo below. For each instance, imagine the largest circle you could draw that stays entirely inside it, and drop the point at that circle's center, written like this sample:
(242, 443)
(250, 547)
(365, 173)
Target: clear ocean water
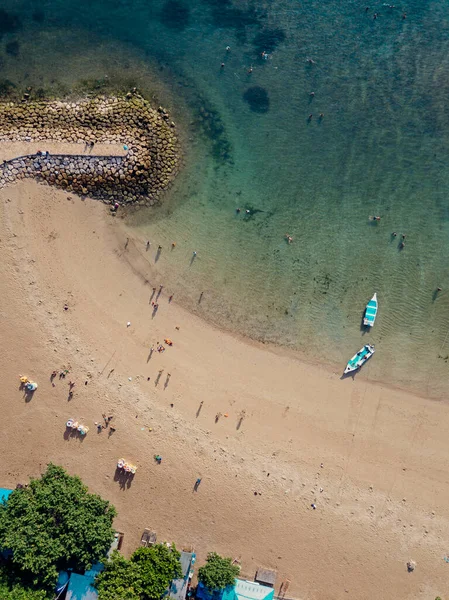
(381, 148)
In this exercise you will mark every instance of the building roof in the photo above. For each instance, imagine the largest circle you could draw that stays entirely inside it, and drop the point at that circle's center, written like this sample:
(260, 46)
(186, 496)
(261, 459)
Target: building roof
(4, 494)
(81, 588)
(266, 576)
(241, 590)
(178, 588)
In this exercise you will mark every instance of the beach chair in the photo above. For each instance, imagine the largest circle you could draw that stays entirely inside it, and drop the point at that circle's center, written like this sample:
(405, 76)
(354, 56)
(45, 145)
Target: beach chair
(148, 538)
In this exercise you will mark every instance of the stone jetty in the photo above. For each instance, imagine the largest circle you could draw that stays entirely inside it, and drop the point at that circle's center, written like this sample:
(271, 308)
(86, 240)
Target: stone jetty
(141, 176)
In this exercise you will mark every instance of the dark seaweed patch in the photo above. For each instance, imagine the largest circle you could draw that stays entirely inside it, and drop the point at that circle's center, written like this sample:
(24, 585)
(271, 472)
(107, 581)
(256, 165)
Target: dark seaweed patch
(268, 40)
(258, 99)
(225, 15)
(175, 15)
(13, 48)
(209, 123)
(8, 22)
(38, 16)
(6, 88)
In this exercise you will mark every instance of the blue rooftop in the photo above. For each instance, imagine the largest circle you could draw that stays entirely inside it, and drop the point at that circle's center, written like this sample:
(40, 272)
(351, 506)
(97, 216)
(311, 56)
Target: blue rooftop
(81, 587)
(241, 590)
(4, 494)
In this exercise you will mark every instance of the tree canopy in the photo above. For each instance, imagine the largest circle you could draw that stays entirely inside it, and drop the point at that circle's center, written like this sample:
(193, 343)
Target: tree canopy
(218, 572)
(145, 576)
(15, 591)
(54, 523)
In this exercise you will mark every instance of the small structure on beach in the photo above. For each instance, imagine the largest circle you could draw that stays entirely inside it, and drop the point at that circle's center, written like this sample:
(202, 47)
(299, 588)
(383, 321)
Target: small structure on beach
(265, 577)
(179, 587)
(241, 590)
(148, 538)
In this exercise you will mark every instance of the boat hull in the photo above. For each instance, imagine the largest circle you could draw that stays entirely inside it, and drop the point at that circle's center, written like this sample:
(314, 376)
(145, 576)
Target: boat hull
(370, 312)
(359, 359)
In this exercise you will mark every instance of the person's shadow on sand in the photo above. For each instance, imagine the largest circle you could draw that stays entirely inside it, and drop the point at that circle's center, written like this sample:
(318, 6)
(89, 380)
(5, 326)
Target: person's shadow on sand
(27, 394)
(73, 434)
(158, 377)
(124, 478)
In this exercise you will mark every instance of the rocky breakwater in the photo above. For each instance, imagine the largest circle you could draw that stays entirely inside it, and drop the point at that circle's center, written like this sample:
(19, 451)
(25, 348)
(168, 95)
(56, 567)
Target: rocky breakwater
(147, 170)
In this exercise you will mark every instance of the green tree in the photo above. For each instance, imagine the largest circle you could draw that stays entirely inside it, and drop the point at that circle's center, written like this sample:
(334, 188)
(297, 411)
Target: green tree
(145, 576)
(218, 572)
(53, 524)
(15, 591)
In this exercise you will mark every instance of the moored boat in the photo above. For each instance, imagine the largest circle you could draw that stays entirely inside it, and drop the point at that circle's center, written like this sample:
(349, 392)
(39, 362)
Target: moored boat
(370, 312)
(359, 359)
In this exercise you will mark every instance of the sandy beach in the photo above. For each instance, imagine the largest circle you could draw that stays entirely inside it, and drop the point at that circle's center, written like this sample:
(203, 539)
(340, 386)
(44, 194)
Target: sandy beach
(269, 434)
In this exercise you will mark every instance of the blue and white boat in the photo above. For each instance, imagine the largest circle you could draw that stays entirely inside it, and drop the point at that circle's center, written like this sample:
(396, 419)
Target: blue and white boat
(370, 312)
(359, 359)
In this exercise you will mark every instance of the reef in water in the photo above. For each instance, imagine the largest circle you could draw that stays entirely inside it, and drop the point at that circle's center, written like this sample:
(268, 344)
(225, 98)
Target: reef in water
(175, 15)
(8, 22)
(258, 99)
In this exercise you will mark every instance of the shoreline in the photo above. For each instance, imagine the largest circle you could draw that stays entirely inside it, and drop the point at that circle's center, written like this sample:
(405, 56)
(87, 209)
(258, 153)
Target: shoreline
(382, 450)
(335, 369)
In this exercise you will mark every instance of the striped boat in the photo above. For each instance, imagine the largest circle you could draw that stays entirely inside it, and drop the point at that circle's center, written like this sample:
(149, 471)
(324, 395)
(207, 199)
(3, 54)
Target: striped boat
(370, 312)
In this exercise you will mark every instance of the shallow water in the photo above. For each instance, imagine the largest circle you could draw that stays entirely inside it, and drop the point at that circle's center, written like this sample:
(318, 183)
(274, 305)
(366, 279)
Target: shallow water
(380, 149)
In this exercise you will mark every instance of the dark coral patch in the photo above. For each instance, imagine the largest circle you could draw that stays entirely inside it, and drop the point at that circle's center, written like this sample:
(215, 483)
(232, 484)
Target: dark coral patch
(13, 48)
(175, 15)
(268, 40)
(8, 22)
(38, 16)
(258, 99)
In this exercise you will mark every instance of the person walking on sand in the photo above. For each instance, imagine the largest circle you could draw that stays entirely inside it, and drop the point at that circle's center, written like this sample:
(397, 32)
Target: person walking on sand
(148, 244)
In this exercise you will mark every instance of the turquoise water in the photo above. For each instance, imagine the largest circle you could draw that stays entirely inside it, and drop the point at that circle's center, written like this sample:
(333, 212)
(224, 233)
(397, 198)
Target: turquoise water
(380, 149)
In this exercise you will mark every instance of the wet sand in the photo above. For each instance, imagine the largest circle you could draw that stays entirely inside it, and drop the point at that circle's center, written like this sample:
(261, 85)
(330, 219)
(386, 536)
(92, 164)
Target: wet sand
(372, 459)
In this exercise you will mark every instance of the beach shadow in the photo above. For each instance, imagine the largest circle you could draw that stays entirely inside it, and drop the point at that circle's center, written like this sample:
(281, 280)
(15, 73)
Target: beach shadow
(352, 374)
(27, 394)
(200, 298)
(196, 486)
(158, 255)
(240, 421)
(192, 260)
(156, 381)
(152, 296)
(364, 328)
(159, 293)
(124, 478)
(150, 355)
(153, 314)
(199, 409)
(435, 295)
(73, 434)
(167, 381)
